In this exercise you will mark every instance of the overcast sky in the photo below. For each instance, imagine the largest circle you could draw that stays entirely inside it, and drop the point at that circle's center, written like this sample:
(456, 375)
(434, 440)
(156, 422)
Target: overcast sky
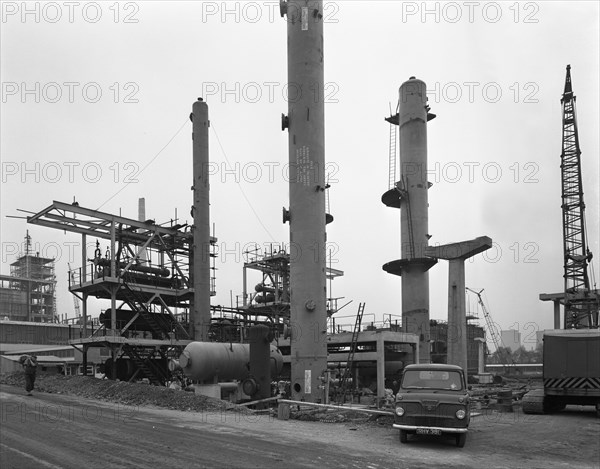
(92, 92)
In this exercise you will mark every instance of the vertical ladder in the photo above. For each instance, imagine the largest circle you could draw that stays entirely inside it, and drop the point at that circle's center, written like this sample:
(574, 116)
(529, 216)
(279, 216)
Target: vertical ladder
(392, 174)
(353, 346)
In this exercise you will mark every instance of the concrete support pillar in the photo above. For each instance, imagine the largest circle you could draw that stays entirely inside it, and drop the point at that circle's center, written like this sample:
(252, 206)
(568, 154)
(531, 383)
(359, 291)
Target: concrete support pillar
(380, 368)
(416, 353)
(480, 355)
(556, 314)
(457, 316)
(113, 356)
(456, 254)
(84, 361)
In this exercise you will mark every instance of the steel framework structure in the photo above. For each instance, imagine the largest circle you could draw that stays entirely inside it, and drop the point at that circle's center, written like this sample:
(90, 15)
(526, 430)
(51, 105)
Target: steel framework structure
(150, 291)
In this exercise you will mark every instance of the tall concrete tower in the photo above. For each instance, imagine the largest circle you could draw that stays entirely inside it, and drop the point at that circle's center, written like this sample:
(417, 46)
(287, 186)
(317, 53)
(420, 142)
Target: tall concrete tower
(306, 127)
(410, 195)
(200, 311)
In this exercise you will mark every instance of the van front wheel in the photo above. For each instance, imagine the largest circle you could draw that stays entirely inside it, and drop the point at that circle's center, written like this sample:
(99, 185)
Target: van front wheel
(461, 439)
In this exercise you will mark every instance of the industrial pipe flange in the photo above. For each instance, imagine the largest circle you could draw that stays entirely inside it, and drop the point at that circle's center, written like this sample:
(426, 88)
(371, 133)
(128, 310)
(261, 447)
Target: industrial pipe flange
(250, 386)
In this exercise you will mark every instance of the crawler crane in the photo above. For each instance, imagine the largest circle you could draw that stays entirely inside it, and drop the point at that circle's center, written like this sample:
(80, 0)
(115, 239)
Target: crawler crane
(572, 355)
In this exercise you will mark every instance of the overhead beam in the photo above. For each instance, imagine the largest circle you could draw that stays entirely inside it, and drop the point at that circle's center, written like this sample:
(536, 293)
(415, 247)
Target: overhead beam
(460, 250)
(100, 219)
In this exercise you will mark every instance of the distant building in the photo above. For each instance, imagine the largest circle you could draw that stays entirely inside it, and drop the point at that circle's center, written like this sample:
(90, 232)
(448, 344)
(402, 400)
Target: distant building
(29, 292)
(50, 343)
(511, 339)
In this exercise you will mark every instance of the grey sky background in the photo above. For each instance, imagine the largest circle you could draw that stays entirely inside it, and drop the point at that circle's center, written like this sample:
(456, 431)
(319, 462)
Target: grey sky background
(495, 74)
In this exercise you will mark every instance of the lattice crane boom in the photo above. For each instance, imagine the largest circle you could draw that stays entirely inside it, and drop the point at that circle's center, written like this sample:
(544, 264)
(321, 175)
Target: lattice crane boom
(504, 357)
(581, 307)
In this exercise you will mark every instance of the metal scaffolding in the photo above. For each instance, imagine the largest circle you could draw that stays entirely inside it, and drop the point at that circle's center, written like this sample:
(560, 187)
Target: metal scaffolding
(29, 292)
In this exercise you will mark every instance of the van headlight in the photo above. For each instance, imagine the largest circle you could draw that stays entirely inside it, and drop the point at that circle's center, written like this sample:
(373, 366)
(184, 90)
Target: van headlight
(460, 414)
(399, 411)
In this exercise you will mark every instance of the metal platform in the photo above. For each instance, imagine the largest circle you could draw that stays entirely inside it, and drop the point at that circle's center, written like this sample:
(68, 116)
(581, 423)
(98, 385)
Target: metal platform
(107, 340)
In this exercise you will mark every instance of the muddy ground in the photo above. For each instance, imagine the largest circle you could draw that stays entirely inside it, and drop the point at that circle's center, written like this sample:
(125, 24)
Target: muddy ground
(171, 429)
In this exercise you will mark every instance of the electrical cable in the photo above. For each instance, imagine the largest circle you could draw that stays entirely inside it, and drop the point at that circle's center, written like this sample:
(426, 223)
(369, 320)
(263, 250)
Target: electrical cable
(212, 126)
(147, 164)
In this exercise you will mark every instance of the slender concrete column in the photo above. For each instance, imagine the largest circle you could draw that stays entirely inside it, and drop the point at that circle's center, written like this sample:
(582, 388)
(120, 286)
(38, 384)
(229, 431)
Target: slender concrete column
(457, 317)
(480, 355)
(200, 311)
(380, 368)
(410, 196)
(556, 314)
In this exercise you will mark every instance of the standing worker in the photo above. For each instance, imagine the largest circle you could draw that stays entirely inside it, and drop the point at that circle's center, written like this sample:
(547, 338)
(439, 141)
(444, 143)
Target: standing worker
(29, 363)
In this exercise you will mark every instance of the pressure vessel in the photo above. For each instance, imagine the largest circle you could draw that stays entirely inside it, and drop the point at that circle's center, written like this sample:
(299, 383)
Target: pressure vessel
(203, 361)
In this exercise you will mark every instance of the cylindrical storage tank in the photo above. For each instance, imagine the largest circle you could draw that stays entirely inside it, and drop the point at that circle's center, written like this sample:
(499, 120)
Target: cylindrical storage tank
(262, 298)
(125, 368)
(260, 287)
(276, 362)
(204, 361)
(160, 271)
(124, 317)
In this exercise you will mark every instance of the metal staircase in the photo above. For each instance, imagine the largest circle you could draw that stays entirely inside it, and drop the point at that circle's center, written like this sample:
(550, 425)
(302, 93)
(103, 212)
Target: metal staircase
(163, 325)
(145, 365)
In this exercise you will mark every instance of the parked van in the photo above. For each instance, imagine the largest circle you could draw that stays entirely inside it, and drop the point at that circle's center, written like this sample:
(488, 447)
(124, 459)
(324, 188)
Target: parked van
(433, 400)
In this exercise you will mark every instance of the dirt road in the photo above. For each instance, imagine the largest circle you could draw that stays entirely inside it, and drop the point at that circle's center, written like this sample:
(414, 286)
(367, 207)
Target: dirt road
(60, 431)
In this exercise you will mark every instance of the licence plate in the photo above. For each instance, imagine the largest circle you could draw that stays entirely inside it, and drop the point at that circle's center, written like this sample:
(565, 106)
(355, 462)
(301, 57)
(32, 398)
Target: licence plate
(428, 431)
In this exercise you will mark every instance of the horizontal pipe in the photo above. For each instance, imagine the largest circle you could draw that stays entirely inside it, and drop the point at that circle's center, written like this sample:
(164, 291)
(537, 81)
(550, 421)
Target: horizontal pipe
(336, 407)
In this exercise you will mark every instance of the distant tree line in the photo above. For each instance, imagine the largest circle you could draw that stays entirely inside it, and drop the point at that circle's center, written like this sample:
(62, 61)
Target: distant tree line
(520, 355)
